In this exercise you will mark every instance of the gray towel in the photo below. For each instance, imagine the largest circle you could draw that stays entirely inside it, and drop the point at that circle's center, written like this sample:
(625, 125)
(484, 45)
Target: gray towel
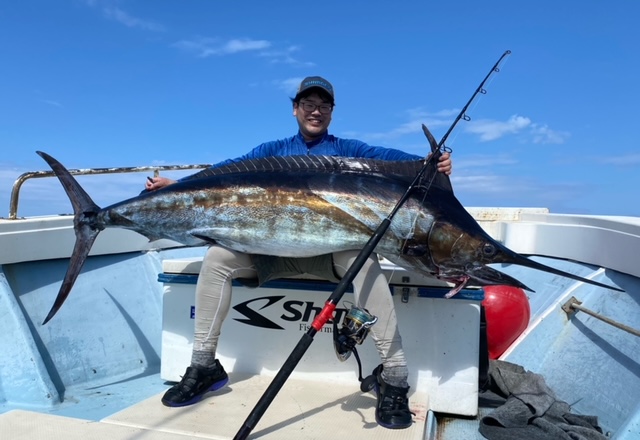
(531, 410)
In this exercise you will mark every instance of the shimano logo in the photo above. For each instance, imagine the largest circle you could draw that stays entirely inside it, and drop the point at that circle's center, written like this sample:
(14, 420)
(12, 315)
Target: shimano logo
(271, 311)
(318, 83)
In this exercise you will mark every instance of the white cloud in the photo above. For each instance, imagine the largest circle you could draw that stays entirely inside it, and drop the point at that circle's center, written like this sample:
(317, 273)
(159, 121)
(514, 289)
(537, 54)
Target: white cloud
(245, 44)
(52, 103)
(285, 56)
(416, 117)
(491, 130)
(490, 189)
(205, 47)
(8, 176)
(486, 129)
(447, 113)
(622, 160)
(289, 85)
(483, 183)
(468, 163)
(122, 17)
(112, 12)
(542, 134)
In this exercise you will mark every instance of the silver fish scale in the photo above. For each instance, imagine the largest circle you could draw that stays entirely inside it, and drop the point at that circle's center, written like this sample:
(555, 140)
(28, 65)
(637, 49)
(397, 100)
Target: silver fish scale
(280, 220)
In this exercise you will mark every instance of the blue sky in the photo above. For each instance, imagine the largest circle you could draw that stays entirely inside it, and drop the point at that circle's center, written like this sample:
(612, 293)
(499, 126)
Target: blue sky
(102, 83)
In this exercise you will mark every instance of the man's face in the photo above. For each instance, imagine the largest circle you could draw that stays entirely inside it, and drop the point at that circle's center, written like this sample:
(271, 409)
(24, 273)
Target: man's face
(313, 124)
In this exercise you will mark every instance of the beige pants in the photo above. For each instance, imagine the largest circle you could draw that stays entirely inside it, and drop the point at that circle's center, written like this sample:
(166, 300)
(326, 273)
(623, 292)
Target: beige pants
(371, 291)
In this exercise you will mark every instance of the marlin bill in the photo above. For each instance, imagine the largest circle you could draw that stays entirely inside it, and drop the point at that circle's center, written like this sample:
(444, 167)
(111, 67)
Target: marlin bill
(301, 206)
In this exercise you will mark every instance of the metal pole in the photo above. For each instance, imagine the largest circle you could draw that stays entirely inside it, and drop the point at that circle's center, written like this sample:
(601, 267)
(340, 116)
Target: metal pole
(573, 303)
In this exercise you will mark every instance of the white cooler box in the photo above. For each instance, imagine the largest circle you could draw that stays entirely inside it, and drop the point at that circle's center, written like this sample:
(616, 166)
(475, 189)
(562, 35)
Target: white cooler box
(440, 336)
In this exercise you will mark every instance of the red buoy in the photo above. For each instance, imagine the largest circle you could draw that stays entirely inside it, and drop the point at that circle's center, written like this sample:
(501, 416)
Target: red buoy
(508, 312)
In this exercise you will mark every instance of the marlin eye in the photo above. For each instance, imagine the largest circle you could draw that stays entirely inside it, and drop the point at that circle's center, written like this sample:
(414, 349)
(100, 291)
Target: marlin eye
(489, 250)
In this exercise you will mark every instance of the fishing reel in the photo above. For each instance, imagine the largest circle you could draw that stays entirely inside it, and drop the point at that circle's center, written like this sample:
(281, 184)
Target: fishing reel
(354, 330)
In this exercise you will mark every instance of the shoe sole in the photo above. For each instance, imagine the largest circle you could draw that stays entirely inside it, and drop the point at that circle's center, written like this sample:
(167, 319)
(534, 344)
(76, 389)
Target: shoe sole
(198, 397)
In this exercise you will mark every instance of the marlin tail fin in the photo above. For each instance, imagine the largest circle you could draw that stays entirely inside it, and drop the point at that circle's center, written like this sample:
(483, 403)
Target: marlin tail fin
(84, 223)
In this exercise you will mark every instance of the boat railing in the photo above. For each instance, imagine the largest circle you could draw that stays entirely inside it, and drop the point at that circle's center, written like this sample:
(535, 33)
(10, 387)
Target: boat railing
(15, 191)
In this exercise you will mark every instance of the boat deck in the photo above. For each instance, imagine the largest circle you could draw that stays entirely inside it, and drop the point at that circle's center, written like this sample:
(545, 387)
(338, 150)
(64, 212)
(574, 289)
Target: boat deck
(308, 409)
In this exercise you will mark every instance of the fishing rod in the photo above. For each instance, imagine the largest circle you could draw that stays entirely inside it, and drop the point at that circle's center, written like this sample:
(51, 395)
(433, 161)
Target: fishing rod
(479, 90)
(462, 115)
(330, 305)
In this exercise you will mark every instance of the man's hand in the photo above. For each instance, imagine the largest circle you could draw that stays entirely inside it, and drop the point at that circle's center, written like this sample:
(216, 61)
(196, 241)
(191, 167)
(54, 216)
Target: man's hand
(444, 163)
(154, 183)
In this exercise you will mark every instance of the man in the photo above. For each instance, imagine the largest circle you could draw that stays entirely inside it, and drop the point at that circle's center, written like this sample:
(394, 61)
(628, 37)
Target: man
(313, 107)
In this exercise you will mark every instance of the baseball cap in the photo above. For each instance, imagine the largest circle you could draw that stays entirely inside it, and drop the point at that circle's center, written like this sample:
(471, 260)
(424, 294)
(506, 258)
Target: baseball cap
(317, 82)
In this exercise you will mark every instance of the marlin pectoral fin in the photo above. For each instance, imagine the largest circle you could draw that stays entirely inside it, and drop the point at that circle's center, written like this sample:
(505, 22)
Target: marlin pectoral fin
(214, 235)
(153, 237)
(205, 238)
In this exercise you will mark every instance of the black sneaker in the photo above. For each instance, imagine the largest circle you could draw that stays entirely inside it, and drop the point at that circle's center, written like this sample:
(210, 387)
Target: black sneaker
(392, 411)
(195, 383)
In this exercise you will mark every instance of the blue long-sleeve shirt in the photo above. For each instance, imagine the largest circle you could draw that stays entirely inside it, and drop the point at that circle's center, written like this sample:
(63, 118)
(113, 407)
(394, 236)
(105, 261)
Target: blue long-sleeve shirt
(328, 145)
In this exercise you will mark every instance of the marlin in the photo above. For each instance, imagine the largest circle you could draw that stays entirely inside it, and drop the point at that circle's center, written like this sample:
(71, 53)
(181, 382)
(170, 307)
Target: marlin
(301, 206)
